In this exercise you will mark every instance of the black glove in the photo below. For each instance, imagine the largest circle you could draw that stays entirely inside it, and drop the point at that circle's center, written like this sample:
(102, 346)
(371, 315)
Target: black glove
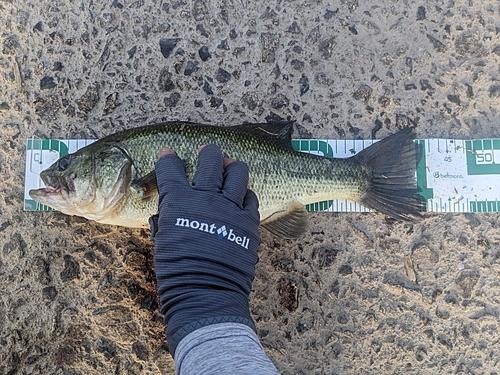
(206, 238)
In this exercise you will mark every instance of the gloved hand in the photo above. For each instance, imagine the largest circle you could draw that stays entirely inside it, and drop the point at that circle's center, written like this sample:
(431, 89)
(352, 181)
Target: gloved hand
(206, 238)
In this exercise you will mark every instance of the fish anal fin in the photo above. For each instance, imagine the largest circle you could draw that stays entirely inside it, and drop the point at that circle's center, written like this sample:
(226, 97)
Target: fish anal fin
(147, 184)
(289, 223)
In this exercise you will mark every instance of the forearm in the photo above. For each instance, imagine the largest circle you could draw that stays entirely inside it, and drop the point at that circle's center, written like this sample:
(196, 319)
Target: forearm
(226, 348)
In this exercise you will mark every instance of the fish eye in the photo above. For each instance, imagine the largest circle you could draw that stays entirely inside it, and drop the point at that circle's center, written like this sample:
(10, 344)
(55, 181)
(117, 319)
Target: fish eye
(63, 164)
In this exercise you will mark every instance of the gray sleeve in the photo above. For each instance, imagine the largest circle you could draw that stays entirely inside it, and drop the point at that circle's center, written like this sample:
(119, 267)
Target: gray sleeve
(225, 348)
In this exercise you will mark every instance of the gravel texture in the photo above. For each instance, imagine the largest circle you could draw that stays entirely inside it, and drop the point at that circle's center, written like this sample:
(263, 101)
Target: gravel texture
(359, 293)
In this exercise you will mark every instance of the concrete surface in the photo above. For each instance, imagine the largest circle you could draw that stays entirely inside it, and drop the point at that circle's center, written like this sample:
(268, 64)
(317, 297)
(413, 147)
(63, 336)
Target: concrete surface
(360, 293)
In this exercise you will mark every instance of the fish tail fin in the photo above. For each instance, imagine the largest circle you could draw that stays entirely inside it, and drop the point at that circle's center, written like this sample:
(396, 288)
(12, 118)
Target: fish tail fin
(390, 165)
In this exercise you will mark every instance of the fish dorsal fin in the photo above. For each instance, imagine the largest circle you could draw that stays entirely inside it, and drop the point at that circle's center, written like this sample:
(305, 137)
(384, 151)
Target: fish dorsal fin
(289, 223)
(147, 184)
(280, 131)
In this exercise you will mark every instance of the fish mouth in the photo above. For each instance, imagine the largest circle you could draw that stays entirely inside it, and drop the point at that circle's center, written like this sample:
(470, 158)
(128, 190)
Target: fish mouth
(55, 187)
(50, 190)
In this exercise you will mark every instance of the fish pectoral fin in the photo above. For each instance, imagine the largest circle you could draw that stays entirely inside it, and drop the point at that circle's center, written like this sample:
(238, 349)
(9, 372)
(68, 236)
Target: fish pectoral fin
(147, 184)
(290, 223)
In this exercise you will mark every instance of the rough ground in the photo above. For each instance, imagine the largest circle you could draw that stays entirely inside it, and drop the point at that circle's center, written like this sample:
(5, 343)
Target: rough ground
(360, 293)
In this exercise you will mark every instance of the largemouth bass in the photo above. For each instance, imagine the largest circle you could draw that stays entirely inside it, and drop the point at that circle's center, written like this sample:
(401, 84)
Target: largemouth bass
(113, 181)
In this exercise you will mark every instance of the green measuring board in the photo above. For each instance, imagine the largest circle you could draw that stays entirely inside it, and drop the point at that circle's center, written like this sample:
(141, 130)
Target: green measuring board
(453, 175)
(460, 175)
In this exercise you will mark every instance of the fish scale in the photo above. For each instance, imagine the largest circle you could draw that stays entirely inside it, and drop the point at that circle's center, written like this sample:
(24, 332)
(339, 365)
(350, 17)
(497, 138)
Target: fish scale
(312, 177)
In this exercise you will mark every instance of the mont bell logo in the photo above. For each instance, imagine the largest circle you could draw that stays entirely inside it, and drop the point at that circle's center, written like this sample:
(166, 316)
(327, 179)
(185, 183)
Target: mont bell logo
(222, 232)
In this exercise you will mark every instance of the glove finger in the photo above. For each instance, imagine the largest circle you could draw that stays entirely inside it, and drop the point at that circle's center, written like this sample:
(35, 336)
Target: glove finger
(208, 175)
(170, 172)
(235, 182)
(251, 204)
(153, 225)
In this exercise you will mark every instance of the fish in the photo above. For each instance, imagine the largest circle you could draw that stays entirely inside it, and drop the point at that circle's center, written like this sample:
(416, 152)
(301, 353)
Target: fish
(113, 180)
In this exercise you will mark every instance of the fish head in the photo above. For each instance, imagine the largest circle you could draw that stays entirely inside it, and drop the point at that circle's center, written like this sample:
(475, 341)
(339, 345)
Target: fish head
(90, 182)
